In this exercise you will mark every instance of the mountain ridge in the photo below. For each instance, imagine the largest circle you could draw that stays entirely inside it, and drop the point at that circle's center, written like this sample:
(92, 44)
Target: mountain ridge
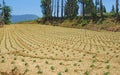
(24, 17)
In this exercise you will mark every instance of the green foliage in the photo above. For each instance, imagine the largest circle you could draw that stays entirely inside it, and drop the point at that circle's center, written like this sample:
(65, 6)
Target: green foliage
(84, 22)
(66, 70)
(59, 73)
(71, 8)
(113, 10)
(46, 8)
(7, 14)
(86, 72)
(52, 68)
(106, 73)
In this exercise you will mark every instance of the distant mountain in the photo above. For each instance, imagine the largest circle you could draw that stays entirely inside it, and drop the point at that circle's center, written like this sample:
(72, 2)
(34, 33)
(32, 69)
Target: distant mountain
(20, 18)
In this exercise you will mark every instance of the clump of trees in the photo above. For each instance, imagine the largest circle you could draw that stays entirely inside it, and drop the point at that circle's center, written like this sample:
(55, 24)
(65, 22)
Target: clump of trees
(70, 8)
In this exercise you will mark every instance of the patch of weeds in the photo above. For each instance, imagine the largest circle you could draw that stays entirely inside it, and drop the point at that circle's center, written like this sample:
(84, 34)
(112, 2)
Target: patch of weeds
(37, 66)
(94, 61)
(26, 70)
(52, 68)
(108, 67)
(92, 65)
(15, 58)
(66, 70)
(94, 56)
(40, 72)
(34, 60)
(59, 73)
(14, 68)
(12, 62)
(46, 62)
(75, 64)
(107, 61)
(2, 56)
(2, 61)
(84, 54)
(61, 63)
(86, 72)
(26, 64)
(80, 61)
(23, 60)
(106, 73)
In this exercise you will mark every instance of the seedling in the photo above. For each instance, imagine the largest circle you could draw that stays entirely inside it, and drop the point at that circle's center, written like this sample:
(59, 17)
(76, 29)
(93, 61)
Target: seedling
(52, 68)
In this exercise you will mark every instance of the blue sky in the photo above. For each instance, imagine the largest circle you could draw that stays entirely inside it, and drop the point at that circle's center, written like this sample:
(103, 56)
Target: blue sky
(20, 7)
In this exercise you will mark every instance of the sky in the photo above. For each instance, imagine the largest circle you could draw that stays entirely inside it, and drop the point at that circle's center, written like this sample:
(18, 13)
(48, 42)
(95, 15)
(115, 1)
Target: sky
(20, 7)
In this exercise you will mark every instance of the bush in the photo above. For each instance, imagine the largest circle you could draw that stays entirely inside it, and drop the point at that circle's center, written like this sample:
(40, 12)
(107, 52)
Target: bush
(84, 22)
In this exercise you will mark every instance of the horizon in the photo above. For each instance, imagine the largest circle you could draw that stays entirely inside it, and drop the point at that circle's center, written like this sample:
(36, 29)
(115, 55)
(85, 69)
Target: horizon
(33, 7)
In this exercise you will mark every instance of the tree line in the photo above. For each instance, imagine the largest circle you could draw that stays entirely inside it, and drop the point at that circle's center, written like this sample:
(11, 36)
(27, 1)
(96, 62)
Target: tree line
(70, 8)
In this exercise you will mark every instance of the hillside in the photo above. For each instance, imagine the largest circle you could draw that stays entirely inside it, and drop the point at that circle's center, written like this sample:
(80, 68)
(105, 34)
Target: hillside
(20, 18)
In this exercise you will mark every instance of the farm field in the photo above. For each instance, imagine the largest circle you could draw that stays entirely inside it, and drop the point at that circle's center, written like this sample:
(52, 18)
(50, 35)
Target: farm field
(50, 50)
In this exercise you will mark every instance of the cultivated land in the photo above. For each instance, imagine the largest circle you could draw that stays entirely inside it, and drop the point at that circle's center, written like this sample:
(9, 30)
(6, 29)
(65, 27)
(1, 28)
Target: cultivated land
(48, 50)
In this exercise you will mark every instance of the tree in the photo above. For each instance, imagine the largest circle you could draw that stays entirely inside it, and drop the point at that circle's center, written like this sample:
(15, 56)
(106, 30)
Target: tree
(113, 10)
(71, 8)
(62, 2)
(90, 8)
(6, 13)
(101, 9)
(117, 9)
(83, 7)
(57, 8)
(46, 8)
(104, 9)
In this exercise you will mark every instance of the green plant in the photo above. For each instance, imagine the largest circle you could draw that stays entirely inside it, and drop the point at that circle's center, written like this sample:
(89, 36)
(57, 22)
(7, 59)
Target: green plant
(66, 70)
(75, 64)
(2, 56)
(107, 61)
(94, 61)
(37, 66)
(92, 65)
(84, 22)
(40, 72)
(61, 63)
(52, 68)
(2, 61)
(86, 72)
(26, 64)
(108, 66)
(46, 62)
(34, 60)
(23, 60)
(15, 58)
(14, 68)
(26, 70)
(12, 62)
(106, 73)
(59, 73)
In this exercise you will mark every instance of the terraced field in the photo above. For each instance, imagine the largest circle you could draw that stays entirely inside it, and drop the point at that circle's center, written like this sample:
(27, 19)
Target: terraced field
(48, 50)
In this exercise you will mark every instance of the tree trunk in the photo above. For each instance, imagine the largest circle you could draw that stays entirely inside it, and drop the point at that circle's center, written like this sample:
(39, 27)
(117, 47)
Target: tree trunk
(101, 9)
(62, 8)
(57, 8)
(83, 7)
(117, 9)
